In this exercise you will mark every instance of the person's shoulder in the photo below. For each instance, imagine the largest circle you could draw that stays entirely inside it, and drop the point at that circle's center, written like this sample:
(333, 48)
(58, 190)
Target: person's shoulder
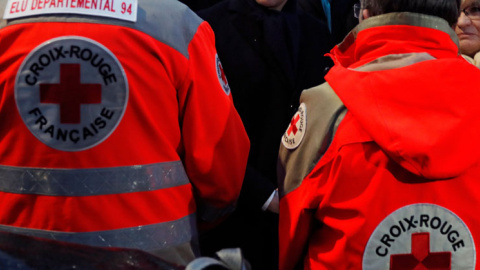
(164, 5)
(168, 12)
(219, 9)
(168, 21)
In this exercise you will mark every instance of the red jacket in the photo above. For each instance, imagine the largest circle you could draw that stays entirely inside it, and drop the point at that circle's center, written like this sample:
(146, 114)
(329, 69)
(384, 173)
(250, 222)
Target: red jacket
(116, 130)
(397, 187)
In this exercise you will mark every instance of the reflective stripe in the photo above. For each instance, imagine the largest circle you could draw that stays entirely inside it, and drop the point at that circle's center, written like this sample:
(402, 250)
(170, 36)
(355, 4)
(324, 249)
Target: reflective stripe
(88, 182)
(148, 238)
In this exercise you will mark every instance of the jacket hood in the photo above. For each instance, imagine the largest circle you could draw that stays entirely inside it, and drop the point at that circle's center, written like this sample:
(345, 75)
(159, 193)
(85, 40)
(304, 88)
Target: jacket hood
(402, 78)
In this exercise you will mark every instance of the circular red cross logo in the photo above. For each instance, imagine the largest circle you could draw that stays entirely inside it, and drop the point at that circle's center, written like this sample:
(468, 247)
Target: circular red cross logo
(71, 93)
(420, 236)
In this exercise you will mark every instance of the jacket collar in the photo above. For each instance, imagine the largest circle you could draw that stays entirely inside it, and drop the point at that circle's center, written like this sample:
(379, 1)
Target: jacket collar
(396, 33)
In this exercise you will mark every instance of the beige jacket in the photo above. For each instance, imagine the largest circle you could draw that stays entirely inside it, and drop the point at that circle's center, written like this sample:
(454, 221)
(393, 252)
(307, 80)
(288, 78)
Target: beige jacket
(475, 60)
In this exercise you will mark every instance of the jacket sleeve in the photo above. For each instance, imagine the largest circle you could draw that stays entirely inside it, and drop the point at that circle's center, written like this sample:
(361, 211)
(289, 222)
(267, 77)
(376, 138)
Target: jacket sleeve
(299, 188)
(215, 142)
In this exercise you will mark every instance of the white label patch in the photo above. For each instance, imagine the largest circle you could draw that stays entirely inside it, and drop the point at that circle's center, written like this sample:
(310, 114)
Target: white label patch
(119, 9)
(420, 236)
(71, 93)
(221, 75)
(296, 130)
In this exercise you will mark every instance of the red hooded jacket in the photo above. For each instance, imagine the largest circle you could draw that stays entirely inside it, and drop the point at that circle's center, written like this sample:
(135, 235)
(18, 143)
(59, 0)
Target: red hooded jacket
(396, 186)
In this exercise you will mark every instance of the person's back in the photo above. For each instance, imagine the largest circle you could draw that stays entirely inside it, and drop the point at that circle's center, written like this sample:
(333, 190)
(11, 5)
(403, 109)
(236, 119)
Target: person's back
(397, 187)
(115, 125)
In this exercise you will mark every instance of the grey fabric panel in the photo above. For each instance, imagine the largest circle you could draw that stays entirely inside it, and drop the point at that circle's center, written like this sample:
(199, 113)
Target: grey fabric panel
(168, 21)
(3, 22)
(395, 61)
(149, 237)
(88, 182)
(324, 112)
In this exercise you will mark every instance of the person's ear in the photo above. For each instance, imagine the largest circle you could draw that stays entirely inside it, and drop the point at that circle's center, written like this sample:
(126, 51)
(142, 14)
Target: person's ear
(365, 14)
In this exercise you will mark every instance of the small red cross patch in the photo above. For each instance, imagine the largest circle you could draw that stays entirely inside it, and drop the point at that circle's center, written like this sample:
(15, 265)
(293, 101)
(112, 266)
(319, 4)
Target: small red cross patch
(222, 74)
(70, 93)
(295, 132)
(293, 125)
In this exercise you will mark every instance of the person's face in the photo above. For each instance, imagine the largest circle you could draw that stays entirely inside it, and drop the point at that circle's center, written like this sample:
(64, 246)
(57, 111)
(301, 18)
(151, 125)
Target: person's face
(272, 4)
(468, 29)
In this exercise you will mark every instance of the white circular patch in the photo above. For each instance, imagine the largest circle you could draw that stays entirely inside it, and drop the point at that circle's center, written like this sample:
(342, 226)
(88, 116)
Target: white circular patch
(222, 78)
(295, 132)
(71, 93)
(420, 236)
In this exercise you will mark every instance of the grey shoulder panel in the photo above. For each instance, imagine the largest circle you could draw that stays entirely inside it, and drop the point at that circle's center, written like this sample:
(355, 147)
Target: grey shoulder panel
(168, 21)
(3, 22)
(324, 112)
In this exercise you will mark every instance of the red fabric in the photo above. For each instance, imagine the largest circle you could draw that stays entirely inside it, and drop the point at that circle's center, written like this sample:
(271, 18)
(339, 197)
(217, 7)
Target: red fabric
(177, 110)
(413, 98)
(410, 136)
(96, 213)
(350, 193)
(371, 43)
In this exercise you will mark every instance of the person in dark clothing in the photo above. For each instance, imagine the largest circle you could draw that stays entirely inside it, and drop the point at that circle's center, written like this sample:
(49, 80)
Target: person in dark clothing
(196, 5)
(270, 52)
(338, 14)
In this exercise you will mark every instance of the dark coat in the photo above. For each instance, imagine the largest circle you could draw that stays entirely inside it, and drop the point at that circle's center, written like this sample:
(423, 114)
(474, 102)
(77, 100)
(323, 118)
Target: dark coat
(269, 57)
(199, 4)
(341, 11)
(267, 70)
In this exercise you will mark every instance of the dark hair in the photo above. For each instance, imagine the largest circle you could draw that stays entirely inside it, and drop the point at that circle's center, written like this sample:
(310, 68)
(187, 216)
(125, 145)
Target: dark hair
(446, 9)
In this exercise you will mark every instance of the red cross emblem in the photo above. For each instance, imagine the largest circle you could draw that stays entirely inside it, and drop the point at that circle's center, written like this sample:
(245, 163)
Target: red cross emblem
(421, 257)
(70, 93)
(293, 125)
(222, 74)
